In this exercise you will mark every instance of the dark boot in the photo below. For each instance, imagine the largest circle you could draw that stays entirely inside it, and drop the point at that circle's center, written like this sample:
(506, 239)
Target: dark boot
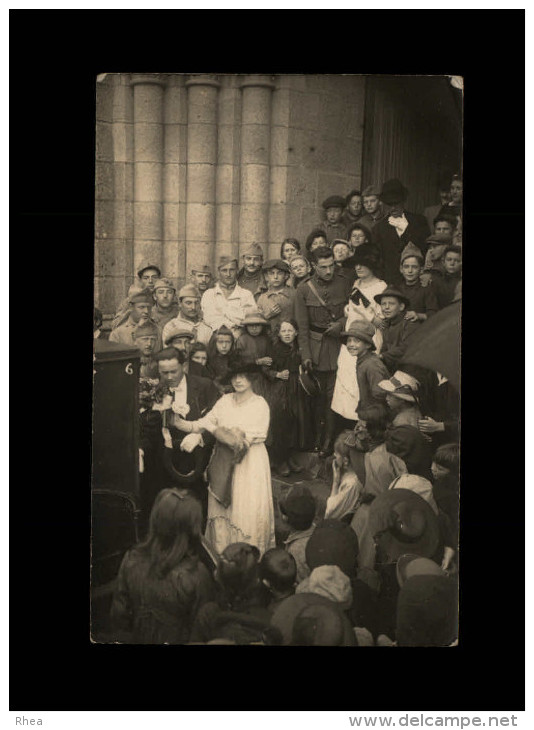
(327, 447)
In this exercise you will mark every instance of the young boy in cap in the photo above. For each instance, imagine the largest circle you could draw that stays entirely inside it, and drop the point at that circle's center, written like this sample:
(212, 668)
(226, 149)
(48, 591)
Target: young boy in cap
(166, 306)
(333, 226)
(277, 304)
(370, 370)
(446, 285)
(250, 276)
(375, 209)
(226, 303)
(141, 308)
(397, 330)
(354, 208)
(423, 301)
(189, 315)
(298, 510)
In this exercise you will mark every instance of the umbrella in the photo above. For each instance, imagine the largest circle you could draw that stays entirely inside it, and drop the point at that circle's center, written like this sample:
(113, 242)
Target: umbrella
(437, 344)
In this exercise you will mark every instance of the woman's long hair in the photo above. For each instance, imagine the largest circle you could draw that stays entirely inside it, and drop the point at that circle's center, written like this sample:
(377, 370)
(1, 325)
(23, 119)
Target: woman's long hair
(174, 530)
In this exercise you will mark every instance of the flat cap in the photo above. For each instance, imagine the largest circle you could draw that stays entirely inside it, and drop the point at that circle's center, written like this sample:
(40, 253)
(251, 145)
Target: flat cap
(175, 329)
(141, 296)
(276, 264)
(437, 239)
(146, 329)
(372, 190)
(145, 266)
(334, 201)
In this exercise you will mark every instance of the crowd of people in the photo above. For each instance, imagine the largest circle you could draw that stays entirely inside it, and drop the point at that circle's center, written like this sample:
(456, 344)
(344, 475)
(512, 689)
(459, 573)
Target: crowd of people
(241, 373)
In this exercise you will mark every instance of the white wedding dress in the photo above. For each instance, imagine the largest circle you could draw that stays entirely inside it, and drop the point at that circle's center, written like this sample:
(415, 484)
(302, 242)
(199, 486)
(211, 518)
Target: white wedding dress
(250, 516)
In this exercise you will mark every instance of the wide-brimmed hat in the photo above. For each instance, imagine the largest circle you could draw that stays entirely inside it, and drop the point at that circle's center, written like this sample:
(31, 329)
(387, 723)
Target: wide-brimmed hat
(417, 484)
(366, 255)
(427, 611)
(409, 565)
(393, 191)
(331, 582)
(309, 383)
(362, 330)
(392, 292)
(145, 266)
(277, 264)
(285, 614)
(333, 543)
(401, 385)
(334, 201)
(401, 521)
(254, 316)
(238, 366)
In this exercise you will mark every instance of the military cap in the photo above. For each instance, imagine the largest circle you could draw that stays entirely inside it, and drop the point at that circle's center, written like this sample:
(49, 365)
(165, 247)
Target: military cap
(164, 283)
(189, 290)
(253, 250)
(146, 329)
(438, 239)
(334, 201)
(276, 264)
(225, 260)
(203, 269)
(146, 266)
(411, 250)
(176, 329)
(371, 190)
(140, 296)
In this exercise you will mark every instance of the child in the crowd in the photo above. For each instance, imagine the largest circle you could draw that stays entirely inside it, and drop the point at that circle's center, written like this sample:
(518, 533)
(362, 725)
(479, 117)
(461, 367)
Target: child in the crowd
(290, 247)
(278, 571)
(298, 510)
(239, 612)
(300, 270)
(397, 330)
(255, 346)
(278, 302)
(333, 225)
(446, 473)
(346, 487)
(221, 346)
(199, 353)
(316, 239)
(370, 370)
(437, 243)
(292, 426)
(343, 257)
(446, 285)
(358, 234)
(423, 301)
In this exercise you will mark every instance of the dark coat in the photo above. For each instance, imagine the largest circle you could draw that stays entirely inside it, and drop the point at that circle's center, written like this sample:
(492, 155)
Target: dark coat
(313, 319)
(370, 370)
(423, 299)
(445, 287)
(396, 336)
(390, 245)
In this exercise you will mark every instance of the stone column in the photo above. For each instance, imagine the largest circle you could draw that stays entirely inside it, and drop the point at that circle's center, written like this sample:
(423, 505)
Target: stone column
(148, 168)
(228, 167)
(202, 90)
(174, 178)
(255, 158)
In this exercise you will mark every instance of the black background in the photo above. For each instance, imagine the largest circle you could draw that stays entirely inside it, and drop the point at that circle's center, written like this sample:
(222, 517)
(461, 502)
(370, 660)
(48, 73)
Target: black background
(55, 57)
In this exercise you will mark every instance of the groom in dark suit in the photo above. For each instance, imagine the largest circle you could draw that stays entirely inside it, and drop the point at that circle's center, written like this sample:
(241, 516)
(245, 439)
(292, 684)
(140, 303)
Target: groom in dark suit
(396, 230)
(165, 464)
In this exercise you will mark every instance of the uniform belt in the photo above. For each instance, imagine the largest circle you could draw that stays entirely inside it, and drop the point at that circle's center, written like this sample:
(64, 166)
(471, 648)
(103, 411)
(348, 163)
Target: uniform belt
(315, 328)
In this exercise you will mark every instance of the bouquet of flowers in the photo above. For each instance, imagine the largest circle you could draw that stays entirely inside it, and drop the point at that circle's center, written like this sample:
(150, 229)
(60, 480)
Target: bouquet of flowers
(152, 392)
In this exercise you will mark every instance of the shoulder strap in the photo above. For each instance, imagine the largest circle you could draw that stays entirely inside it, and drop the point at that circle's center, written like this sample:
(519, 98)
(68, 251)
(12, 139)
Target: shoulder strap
(321, 300)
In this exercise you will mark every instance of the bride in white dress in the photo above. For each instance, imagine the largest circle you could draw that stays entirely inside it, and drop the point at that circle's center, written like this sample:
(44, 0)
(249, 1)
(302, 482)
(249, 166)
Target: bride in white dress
(250, 515)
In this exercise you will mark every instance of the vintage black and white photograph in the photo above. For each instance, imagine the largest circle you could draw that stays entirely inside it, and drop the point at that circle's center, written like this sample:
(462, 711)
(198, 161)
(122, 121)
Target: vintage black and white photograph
(276, 374)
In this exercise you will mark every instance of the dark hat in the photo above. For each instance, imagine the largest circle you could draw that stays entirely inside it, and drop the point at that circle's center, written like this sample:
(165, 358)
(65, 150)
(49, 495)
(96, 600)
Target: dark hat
(333, 543)
(146, 266)
(141, 296)
(237, 366)
(438, 239)
(391, 292)
(147, 328)
(366, 255)
(309, 383)
(299, 503)
(371, 190)
(362, 330)
(287, 612)
(277, 264)
(334, 201)
(401, 522)
(427, 611)
(393, 191)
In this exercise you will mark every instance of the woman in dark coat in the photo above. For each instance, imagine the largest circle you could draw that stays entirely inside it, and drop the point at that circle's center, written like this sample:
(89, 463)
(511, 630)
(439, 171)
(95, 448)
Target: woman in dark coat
(292, 425)
(162, 582)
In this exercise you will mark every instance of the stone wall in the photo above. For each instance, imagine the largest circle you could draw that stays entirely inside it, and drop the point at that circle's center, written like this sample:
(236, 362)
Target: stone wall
(192, 167)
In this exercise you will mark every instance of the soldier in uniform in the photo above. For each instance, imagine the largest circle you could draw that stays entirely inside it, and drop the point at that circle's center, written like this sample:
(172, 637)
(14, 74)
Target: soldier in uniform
(319, 311)
(140, 313)
(202, 278)
(189, 316)
(166, 306)
(147, 276)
